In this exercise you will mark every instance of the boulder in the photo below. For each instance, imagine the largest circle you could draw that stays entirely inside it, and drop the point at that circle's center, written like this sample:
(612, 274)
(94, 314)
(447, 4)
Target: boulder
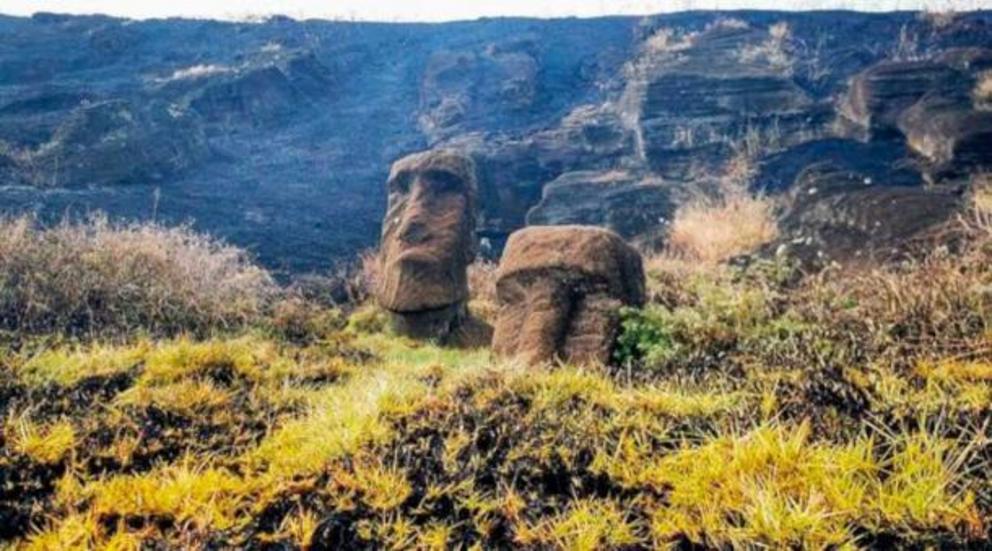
(428, 241)
(559, 291)
(629, 203)
(833, 214)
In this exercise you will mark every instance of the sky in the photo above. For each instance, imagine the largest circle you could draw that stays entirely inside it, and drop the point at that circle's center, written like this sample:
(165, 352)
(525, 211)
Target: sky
(445, 10)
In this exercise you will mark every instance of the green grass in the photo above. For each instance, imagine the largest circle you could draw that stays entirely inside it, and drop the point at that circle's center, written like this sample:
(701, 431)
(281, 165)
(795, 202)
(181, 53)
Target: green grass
(751, 409)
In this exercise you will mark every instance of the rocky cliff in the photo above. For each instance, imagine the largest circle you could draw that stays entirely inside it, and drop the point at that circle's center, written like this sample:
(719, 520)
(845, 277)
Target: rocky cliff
(278, 135)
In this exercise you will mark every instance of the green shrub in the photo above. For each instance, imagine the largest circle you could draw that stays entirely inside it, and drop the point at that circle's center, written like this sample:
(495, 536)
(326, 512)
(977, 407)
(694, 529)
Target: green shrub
(645, 337)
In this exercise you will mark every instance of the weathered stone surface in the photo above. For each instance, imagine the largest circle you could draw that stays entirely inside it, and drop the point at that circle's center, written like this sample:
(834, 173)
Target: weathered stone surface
(560, 289)
(629, 203)
(428, 241)
(878, 96)
(832, 214)
(693, 99)
(950, 135)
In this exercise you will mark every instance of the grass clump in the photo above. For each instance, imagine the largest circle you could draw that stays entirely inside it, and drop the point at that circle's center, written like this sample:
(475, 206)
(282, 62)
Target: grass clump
(586, 526)
(69, 366)
(43, 444)
(983, 89)
(191, 495)
(98, 278)
(786, 491)
(711, 230)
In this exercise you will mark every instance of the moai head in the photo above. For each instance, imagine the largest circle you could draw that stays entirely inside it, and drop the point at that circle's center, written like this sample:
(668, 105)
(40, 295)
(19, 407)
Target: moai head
(428, 240)
(560, 289)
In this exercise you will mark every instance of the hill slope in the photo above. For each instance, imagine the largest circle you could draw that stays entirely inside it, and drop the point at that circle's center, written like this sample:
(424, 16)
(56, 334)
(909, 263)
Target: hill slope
(278, 135)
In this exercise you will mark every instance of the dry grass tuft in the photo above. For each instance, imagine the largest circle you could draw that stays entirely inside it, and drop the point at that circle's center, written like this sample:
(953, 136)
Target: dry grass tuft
(775, 50)
(983, 89)
(44, 444)
(939, 19)
(712, 230)
(99, 278)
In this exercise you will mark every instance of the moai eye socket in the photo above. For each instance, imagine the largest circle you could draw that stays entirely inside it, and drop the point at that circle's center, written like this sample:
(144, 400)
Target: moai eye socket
(443, 181)
(401, 182)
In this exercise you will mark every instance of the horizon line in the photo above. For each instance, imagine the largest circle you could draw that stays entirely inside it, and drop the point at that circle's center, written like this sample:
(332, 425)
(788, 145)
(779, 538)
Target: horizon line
(31, 9)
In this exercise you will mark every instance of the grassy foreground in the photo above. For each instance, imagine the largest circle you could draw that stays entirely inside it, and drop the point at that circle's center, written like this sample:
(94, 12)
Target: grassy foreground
(747, 407)
(248, 442)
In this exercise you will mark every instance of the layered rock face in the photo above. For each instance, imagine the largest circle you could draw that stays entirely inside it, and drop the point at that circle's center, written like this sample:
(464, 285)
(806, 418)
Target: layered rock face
(930, 105)
(609, 121)
(428, 241)
(627, 203)
(693, 96)
(560, 289)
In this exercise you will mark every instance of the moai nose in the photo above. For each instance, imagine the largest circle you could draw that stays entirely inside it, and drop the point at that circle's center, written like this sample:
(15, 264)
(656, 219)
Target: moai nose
(414, 229)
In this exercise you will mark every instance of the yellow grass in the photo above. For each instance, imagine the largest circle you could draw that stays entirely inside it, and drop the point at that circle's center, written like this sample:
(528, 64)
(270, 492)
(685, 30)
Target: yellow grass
(45, 444)
(983, 88)
(713, 230)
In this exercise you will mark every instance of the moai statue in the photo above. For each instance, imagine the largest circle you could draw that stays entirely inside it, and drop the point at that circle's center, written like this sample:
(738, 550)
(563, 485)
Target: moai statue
(560, 290)
(428, 242)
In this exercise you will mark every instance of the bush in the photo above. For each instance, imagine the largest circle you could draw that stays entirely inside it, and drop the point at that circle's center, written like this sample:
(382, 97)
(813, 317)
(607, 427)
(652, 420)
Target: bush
(645, 337)
(368, 319)
(97, 278)
(298, 320)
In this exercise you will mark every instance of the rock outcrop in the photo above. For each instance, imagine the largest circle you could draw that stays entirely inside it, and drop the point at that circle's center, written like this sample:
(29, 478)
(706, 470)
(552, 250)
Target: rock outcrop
(950, 136)
(114, 143)
(928, 105)
(629, 203)
(560, 289)
(834, 214)
(513, 171)
(695, 98)
(428, 241)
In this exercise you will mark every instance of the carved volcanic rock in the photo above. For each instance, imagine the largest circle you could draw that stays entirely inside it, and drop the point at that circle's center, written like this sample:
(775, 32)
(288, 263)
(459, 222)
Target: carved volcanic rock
(428, 241)
(879, 95)
(928, 104)
(628, 203)
(834, 214)
(560, 289)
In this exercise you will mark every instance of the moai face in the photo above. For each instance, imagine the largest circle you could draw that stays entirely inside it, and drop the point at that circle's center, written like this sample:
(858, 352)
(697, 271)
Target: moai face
(535, 312)
(428, 235)
(560, 290)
